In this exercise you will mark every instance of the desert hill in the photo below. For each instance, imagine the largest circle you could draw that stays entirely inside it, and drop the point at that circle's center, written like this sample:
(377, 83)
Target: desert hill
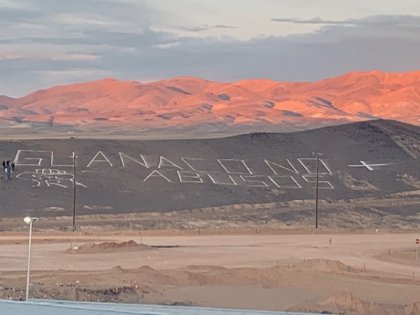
(188, 102)
(365, 164)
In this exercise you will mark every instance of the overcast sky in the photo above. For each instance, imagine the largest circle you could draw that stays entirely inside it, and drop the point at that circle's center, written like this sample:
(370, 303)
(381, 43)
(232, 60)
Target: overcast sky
(49, 42)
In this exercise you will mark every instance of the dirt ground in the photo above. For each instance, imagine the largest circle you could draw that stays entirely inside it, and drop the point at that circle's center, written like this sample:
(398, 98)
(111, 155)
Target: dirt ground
(347, 273)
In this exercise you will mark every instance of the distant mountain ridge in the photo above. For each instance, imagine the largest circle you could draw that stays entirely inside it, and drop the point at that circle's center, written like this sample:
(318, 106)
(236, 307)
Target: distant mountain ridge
(188, 101)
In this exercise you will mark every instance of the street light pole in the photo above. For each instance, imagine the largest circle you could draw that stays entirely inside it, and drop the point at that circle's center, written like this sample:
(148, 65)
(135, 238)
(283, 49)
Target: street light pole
(29, 220)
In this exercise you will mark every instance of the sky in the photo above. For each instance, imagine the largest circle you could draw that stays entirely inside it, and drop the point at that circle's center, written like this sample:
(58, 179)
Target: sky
(49, 42)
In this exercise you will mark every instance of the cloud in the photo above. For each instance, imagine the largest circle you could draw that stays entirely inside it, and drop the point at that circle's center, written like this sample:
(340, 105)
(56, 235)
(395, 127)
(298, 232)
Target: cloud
(386, 21)
(168, 45)
(75, 57)
(70, 74)
(11, 16)
(204, 28)
(316, 20)
(48, 56)
(224, 26)
(134, 49)
(372, 44)
(4, 55)
(89, 19)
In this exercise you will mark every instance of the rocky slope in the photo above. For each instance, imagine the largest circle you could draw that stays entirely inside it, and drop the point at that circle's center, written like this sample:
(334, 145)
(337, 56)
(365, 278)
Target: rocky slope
(186, 102)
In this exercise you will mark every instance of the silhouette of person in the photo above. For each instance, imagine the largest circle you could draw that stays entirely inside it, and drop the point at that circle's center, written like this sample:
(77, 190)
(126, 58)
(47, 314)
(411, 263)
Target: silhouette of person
(8, 169)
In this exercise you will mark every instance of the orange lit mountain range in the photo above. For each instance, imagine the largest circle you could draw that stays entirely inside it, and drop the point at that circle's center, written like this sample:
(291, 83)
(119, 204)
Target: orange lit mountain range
(188, 101)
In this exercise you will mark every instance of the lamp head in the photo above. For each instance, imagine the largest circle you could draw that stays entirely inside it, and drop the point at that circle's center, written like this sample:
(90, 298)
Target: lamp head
(28, 219)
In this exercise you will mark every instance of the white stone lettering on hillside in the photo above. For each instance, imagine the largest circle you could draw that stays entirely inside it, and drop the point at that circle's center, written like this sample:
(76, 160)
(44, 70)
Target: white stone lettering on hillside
(164, 162)
(158, 174)
(322, 184)
(189, 177)
(310, 166)
(30, 157)
(285, 182)
(370, 166)
(50, 178)
(96, 159)
(61, 165)
(222, 179)
(273, 173)
(189, 160)
(254, 180)
(124, 157)
(279, 169)
(203, 165)
(234, 166)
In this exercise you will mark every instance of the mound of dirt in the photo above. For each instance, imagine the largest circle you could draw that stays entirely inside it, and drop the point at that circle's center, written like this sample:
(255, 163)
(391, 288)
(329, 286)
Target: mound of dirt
(406, 256)
(325, 265)
(347, 303)
(108, 247)
(412, 309)
(351, 303)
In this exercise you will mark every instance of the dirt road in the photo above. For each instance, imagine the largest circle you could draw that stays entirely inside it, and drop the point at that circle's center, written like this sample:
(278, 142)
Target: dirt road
(169, 252)
(288, 271)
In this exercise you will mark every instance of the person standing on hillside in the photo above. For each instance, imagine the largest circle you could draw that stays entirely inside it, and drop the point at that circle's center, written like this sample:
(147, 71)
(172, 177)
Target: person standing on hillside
(8, 168)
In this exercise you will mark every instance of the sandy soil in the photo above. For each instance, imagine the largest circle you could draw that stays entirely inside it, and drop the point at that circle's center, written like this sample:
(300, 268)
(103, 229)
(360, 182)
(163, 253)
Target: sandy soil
(371, 273)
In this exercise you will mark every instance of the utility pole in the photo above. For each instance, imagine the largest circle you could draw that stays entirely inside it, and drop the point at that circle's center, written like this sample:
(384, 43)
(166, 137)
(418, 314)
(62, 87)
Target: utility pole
(317, 189)
(74, 192)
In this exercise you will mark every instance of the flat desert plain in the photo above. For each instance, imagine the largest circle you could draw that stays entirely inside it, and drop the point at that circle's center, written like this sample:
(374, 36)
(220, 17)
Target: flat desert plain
(375, 272)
